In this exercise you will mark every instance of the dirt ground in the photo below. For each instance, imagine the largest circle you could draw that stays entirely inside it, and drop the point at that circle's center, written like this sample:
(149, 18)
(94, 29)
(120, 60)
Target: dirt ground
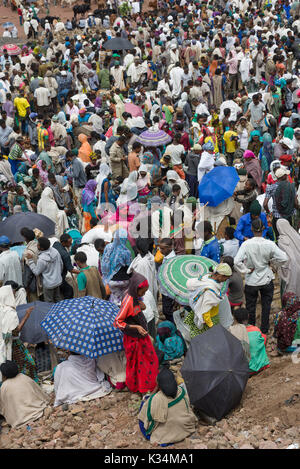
(63, 13)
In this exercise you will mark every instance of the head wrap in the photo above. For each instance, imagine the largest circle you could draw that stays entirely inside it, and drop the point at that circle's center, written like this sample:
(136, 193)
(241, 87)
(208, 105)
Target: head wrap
(208, 146)
(224, 269)
(4, 241)
(249, 154)
(137, 281)
(88, 193)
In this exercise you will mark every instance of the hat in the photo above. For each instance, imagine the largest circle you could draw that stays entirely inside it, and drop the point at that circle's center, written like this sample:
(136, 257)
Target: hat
(81, 51)
(4, 241)
(9, 369)
(224, 269)
(43, 59)
(285, 158)
(33, 115)
(286, 141)
(208, 146)
(197, 147)
(63, 73)
(255, 208)
(280, 172)
(82, 110)
(55, 118)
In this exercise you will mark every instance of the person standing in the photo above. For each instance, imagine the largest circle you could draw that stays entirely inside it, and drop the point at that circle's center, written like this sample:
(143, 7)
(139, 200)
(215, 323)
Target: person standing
(118, 159)
(141, 358)
(89, 280)
(10, 265)
(49, 265)
(253, 259)
(62, 247)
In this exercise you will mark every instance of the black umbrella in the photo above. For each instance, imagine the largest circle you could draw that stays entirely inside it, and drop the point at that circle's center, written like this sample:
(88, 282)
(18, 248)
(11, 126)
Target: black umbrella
(32, 331)
(118, 43)
(215, 372)
(12, 225)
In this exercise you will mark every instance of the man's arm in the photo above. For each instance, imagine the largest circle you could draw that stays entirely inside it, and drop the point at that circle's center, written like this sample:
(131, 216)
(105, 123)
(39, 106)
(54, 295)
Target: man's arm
(239, 261)
(37, 268)
(238, 234)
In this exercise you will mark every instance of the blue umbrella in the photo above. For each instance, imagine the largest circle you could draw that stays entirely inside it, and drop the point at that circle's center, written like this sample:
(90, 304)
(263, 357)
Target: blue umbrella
(84, 326)
(8, 25)
(217, 185)
(32, 331)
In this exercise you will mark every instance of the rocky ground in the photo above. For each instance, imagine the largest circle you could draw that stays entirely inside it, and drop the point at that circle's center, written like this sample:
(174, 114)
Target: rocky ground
(267, 417)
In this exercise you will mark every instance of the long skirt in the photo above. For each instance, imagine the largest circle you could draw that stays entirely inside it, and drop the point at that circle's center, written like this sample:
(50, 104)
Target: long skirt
(142, 364)
(24, 360)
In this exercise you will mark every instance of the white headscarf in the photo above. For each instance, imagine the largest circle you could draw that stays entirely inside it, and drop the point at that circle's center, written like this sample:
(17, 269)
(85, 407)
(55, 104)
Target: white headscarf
(104, 171)
(47, 205)
(8, 322)
(128, 189)
(182, 102)
(171, 174)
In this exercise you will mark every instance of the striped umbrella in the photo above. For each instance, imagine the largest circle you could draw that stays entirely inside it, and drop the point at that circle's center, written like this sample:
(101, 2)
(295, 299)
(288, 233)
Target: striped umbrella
(12, 49)
(174, 273)
(155, 138)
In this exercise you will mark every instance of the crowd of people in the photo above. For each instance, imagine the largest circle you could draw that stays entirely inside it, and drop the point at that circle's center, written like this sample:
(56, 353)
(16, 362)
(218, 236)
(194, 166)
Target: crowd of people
(112, 146)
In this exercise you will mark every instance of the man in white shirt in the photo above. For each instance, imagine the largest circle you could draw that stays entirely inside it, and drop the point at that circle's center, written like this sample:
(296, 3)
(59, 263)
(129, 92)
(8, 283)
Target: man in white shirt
(230, 104)
(6, 33)
(43, 98)
(253, 259)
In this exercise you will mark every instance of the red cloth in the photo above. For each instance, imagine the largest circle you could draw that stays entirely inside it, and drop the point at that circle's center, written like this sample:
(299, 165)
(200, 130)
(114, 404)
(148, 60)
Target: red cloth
(285, 158)
(142, 364)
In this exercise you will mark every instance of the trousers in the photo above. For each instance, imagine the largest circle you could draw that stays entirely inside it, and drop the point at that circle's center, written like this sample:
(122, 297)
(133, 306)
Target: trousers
(266, 294)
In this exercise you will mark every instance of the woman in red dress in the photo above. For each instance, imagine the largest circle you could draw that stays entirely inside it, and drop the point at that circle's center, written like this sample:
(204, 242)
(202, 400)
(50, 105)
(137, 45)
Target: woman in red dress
(142, 362)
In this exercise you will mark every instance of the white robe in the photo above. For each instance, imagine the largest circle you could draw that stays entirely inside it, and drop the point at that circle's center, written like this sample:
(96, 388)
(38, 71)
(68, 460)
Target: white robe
(175, 79)
(79, 379)
(8, 322)
(146, 267)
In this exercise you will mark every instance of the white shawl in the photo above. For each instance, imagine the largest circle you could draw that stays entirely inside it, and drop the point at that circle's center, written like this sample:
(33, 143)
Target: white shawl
(79, 379)
(8, 322)
(210, 298)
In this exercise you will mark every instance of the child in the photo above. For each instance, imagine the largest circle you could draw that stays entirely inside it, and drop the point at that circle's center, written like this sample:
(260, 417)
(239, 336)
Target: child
(174, 200)
(257, 341)
(166, 249)
(235, 284)
(21, 200)
(249, 194)
(230, 138)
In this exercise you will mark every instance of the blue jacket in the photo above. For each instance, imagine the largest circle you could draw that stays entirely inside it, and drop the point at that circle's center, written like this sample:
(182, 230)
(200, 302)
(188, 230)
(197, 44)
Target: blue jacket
(244, 230)
(211, 250)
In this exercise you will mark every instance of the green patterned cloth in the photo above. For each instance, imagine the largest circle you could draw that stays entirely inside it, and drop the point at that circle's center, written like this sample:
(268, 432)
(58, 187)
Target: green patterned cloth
(194, 331)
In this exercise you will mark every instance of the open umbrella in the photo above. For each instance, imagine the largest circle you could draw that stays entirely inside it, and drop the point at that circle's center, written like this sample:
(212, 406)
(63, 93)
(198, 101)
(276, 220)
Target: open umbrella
(133, 109)
(12, 49)
(12, 225)
(118, 43)
(151, 138)
(32, 331)
(8, 24)
(175, 272)
(84, 326)
(215, 372)
(218, 185)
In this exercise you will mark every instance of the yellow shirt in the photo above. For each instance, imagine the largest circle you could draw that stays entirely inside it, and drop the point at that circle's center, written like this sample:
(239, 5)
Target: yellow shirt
(21, 104)
(230, 144)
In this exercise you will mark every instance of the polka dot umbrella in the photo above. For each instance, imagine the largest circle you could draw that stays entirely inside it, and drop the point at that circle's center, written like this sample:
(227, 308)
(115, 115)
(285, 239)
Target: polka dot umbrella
(174, 274)
(12, 49)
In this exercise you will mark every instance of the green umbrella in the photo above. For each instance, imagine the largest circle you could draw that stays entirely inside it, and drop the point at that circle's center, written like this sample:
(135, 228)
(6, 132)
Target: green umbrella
(174, 273)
